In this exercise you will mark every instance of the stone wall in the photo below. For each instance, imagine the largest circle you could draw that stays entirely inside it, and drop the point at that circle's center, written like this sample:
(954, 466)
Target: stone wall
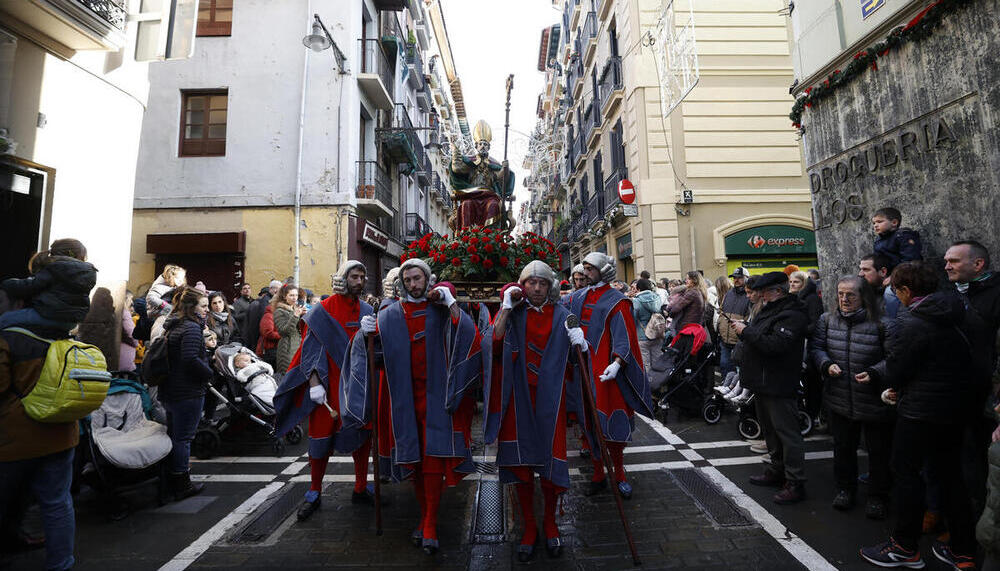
(919, 134)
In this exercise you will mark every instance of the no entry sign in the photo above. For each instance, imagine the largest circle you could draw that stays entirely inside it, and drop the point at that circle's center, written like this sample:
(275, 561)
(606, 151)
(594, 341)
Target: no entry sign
(626, 192)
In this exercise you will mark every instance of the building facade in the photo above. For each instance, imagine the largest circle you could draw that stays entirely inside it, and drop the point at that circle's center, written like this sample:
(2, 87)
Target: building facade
(896, 110)
(712, 178)
(261, 159)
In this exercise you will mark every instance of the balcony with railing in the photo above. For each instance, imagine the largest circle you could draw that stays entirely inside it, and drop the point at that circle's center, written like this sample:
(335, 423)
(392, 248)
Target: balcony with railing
(76, 24)
(588, 37)
(389, 4)
(611, 87)
(399, 140)
(375, 75)
(595, 207)
(574, 13)
(416, 228)
(579, 150)
(577, 86)
(592, 117)
(415, 63)
(617, 175)
(374, 191)
(579, 226)
(424, 171)
(391, 34)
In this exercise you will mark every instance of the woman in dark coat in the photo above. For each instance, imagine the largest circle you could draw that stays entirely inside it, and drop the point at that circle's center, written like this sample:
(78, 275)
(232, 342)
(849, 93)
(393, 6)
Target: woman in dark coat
(848, 349)
(221, 321)
(183, 392)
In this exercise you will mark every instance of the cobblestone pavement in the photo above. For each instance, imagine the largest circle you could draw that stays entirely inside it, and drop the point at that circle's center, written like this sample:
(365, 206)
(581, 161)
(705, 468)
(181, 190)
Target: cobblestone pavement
(671, 528)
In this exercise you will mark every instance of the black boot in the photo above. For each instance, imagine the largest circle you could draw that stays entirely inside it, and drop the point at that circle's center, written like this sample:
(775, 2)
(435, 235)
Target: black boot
(183, 487)
(595, 488)
(307, 508)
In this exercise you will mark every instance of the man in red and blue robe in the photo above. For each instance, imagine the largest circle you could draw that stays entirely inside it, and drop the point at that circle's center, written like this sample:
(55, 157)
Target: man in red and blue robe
(311, 387)
(618, 378)
(526, 398)
(431, 361)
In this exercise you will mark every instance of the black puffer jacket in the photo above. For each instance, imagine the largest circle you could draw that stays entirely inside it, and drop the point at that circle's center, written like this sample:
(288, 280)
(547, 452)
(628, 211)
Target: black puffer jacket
(60, 291)
(809, 296)
(772, 348)
(929, 360)
(856, 345)
(188, 359)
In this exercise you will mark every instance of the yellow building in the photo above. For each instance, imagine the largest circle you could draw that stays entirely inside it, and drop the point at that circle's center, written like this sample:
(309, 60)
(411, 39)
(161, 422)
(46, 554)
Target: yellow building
(719, 180)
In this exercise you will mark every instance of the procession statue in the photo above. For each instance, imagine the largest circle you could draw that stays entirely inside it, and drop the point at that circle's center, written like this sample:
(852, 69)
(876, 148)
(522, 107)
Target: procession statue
(480, 185)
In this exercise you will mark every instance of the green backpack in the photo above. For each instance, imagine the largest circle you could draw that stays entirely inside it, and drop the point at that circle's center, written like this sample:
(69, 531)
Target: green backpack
(73, 383)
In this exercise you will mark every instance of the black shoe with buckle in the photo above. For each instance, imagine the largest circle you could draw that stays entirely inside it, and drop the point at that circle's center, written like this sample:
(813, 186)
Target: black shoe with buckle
(525, 553)
(308, 508)
(430, 546)
(553, 546)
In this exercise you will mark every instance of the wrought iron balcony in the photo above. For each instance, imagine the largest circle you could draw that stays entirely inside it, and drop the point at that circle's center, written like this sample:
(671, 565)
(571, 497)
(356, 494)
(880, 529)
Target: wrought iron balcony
(589, 31)
(415, 77)
(579, 150)
(375, 74)
(579, 227)
(399, 139)
(611, 186)
(416, 227)
(610, 85)
(595, 207)
(424, 172)
(389, 4)
(374, 189)
(391, 34)
(111, 11)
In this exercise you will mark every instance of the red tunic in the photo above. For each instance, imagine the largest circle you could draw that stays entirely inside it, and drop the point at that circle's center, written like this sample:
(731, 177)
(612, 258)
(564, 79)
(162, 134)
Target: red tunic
(609, 396)
(345, 310)
(538, 327)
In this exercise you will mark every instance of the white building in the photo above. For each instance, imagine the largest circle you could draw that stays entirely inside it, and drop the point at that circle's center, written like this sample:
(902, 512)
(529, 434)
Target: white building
(254, 119)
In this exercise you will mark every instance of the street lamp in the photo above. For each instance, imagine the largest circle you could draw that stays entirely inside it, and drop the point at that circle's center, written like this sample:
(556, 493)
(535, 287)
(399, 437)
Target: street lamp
(319, 40)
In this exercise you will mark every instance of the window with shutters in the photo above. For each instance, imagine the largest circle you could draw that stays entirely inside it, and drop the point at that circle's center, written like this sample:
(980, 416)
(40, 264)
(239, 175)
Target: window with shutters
(203, 123)
(215, 18)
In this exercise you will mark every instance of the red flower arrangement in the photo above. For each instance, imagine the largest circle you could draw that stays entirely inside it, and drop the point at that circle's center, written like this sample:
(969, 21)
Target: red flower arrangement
(458, 257)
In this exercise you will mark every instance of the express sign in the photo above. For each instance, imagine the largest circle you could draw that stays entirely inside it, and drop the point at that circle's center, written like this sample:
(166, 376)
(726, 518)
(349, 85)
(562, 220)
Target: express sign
(771, 240)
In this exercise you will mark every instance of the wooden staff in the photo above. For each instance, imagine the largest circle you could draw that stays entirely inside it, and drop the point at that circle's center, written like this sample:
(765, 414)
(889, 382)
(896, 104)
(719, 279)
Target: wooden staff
(591, 403)
(373, 386)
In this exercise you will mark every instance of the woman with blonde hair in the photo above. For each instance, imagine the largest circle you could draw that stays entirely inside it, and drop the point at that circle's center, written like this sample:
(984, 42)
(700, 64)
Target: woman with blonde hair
(172, 277)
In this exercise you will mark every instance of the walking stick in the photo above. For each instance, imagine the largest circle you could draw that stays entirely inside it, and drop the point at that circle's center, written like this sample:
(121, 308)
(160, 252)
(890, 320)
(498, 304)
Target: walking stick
(373, 386)
(591, 404)
(506, 130)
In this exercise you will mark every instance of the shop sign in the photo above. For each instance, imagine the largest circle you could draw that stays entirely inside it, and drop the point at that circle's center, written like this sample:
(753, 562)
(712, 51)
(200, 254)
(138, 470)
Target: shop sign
(630, 210)
(775, 239)
(623, 244)
(868, 7)
(374, 236)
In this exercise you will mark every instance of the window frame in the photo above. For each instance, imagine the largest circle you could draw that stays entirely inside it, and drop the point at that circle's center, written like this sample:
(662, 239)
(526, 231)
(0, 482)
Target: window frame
(213, 28)
(186, 94)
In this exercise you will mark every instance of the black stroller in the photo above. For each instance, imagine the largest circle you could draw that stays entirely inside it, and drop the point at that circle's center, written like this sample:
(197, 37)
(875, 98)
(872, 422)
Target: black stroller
(749, 426)
(123, 445)
(679, 372)
(247, 399)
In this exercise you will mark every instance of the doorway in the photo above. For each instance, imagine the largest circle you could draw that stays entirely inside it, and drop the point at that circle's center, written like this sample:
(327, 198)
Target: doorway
(23, 190)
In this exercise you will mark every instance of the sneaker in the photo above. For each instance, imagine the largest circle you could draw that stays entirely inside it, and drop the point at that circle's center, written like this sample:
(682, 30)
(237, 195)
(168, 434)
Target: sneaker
(960, 562)
(891, 554)
(792, 493)
(759, 448)
(876, 508)
(844, 500)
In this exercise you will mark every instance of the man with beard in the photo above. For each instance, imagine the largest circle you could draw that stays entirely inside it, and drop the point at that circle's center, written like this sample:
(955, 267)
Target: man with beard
(578, 278)
(874, 268)
(311, 387)
(526, 398)
(432, 358)
(617, 374)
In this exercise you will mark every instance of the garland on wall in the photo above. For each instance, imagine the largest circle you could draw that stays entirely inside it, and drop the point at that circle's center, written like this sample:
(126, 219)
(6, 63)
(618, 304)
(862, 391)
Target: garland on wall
(920, 27)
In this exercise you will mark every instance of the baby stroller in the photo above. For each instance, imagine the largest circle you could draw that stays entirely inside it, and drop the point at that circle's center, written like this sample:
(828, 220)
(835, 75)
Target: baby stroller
(749, 426)
(678, 376)
(122, 448)
(248, 402)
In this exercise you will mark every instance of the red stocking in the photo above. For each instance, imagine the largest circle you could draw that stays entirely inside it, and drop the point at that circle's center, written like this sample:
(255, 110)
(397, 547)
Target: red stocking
(526, 498)
(598, 464)
(361, 466)
(317, 469)
(549, 519)
(433, 484)
(617, 452)
(418, 489)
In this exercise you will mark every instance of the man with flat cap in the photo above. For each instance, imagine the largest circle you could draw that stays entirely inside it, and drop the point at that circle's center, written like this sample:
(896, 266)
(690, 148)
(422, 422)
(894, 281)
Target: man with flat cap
(618, 377)
(311, 387)
(771, 367)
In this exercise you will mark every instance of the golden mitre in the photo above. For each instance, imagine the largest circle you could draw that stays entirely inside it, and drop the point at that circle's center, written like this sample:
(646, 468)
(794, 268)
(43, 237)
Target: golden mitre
(482, 132)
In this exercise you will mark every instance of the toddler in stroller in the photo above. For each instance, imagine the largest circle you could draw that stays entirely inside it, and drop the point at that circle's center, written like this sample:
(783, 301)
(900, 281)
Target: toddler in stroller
(678, 374)
(245, 385)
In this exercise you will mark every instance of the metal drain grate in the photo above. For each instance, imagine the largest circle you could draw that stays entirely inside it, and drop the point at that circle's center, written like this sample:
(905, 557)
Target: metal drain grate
(708, 497)
(490, 520)
(271, 516)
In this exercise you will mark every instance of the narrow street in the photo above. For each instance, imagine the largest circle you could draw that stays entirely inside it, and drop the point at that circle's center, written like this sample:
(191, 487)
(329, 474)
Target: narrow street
(230, 526)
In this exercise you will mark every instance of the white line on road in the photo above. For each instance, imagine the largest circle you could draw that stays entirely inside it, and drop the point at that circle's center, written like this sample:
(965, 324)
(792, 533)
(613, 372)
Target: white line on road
(798, 548)
(294, 468)
(631, 450)
(192, 552)
(247, 460)
(232, 477)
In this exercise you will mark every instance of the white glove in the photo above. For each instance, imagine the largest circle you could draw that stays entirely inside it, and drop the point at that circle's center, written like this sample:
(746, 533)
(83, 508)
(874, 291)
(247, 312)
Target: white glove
(508, 302)
(368, 324)
(317, 394)
(576, 338)
(890, 397)
(446, 298)
(611, 372)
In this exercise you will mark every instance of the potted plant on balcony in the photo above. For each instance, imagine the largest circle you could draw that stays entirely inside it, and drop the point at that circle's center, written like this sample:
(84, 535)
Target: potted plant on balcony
(411, 43)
